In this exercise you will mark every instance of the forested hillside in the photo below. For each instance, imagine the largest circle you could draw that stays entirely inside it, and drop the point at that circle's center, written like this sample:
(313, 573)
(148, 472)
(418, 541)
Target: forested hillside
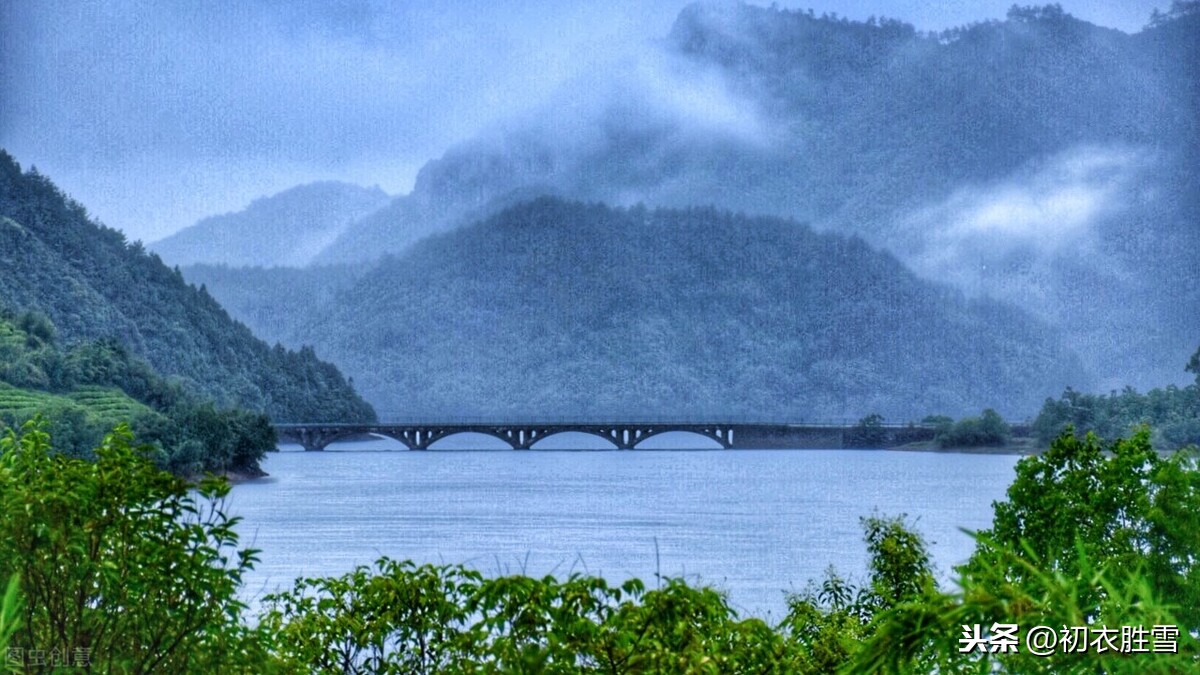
(85, 390)
(1042, 159)
(555, 308)
(93, 284)
(289, 228)
(835, 121)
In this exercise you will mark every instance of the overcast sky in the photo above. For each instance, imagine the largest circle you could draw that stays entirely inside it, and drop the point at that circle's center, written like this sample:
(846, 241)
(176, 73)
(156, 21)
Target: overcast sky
(154, 116)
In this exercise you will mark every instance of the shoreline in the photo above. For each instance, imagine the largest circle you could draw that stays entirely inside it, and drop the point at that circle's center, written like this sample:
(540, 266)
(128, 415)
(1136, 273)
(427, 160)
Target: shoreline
(1018, 446)
(233, 476)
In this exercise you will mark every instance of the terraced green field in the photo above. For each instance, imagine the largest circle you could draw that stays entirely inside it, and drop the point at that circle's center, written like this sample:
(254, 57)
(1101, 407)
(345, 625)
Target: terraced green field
(107, 403)
(98, 404)
(13, 400)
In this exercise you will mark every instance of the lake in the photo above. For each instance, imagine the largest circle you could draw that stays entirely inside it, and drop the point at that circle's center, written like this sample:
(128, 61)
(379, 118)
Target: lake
(755, 523)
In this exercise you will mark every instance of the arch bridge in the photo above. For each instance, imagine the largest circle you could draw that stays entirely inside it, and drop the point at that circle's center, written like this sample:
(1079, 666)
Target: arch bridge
(622, 435)
(518, 436)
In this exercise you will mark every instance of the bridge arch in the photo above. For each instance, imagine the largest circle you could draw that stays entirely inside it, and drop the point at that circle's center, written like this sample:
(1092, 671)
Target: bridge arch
(384, 433)
(613, 442)
(711, 441)
(502, 442)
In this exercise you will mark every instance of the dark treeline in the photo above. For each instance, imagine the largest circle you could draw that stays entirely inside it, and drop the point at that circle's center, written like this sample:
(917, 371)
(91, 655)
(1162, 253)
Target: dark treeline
(986, 430)
(93, 284)
(1173, 412)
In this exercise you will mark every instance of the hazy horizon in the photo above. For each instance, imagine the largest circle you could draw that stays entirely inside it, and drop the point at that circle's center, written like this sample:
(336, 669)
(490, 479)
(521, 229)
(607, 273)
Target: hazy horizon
(155, 118)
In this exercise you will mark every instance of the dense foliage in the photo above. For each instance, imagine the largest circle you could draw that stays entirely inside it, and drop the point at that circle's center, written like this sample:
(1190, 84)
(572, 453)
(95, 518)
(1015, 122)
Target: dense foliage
(560, 308)
(120, 564)
(1092, 536)
(1173, 412)
(868, 432)
(87, 388)
(94, 285)
(1119, 507)
(122, 567)
(987, 430)
(401, 618)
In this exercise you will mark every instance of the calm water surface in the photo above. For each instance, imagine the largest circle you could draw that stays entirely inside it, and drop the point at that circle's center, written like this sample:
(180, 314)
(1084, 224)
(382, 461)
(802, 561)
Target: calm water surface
(753, 523)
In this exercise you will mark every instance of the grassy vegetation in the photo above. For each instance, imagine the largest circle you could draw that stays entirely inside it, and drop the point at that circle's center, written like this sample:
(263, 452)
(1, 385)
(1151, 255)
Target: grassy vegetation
(107, 402)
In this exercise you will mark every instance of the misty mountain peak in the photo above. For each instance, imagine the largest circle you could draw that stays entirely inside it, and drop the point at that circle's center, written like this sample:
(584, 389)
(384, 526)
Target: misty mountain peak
(737, 34)
(288, 228)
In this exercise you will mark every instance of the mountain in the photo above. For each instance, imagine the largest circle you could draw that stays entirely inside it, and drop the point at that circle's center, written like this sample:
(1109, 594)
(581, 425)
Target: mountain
(838, 122)
(287, 229)
(555, 308)
(1040, 160)
(272, 300)
(93, 284)
(410, 218)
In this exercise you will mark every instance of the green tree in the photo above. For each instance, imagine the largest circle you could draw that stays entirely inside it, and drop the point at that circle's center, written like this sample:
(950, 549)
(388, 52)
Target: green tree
(1126, 509)
(1090, 535)
(830, 623)
(941, 424)
(1173, 412)
(120, 560)
(923, 635)
(10, 612)
(989, 429)
(868, 432)
(401, 618)
(396, 618)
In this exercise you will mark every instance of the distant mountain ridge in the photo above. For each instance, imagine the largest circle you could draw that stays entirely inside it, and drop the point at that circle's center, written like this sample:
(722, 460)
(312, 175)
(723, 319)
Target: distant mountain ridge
(93, 284)
(555, 308)
(286, 229)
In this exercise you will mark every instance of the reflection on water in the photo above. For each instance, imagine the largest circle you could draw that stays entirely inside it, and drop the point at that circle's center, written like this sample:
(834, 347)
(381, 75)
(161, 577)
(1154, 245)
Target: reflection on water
(755, 523)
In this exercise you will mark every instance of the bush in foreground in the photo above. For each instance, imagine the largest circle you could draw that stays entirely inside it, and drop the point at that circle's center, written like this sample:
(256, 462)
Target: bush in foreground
(121, 565)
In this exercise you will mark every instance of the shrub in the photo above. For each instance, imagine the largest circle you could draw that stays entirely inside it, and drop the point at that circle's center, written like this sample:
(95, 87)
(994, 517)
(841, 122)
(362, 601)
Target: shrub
(119, 562)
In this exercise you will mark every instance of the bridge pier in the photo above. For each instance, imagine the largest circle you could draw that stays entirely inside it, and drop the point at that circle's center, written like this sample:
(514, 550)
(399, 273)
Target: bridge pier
(312, 439)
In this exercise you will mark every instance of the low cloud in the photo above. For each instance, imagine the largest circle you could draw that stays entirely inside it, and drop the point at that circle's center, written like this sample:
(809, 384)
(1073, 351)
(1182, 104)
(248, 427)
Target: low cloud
(1003, 239)
(130, 106)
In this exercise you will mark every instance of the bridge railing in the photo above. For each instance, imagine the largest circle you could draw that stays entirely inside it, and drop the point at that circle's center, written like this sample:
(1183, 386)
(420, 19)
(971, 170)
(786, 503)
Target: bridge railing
(461, 421)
